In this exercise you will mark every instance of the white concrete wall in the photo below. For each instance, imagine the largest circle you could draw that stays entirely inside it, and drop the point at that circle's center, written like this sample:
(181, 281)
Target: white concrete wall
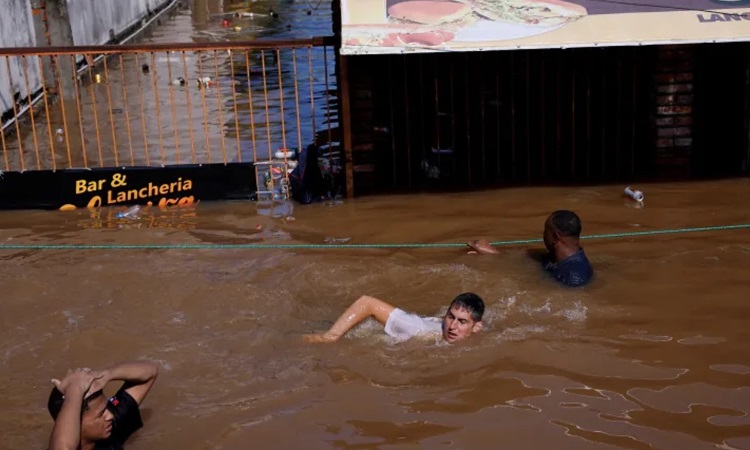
(92, 21)
(16, 30)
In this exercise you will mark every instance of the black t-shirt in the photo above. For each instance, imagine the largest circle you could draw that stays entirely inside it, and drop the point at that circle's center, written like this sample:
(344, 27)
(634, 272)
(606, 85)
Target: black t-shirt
(126, 422)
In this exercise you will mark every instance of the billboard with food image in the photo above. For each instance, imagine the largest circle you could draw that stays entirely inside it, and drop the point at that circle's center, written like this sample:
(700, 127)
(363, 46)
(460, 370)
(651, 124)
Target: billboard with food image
(400, 26)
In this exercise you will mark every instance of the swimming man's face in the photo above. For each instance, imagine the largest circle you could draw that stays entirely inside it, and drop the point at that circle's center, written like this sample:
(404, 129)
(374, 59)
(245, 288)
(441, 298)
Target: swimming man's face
(458, 324)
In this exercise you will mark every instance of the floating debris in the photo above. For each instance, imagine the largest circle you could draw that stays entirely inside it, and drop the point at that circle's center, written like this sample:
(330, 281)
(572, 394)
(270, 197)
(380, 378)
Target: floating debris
(431, 171)
(204, 82)
(634, 194)
(131, 213)
(330, 240)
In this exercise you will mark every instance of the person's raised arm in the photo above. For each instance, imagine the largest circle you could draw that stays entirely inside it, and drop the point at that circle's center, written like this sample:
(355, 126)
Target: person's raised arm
(360, 310)
(66, 433)
(139, 378)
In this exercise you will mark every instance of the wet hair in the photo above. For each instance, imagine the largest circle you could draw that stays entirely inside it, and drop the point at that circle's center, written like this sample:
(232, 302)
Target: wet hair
(470, 302)
(56, 398)
(565, 222)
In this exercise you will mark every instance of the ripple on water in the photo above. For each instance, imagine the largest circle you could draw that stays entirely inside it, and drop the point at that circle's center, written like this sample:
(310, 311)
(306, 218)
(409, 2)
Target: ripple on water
(644, 336)
(701, 340)
(737, 369)
(734, 403)
(521, 333)
(576, 313)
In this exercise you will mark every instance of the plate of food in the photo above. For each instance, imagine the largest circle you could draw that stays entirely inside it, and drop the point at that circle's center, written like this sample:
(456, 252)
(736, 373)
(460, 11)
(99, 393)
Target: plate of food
(491, 31)
(499, 20)
(437, 23)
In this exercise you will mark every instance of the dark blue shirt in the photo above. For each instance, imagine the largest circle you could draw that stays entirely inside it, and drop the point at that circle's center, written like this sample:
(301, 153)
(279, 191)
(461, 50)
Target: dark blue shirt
(573, 271)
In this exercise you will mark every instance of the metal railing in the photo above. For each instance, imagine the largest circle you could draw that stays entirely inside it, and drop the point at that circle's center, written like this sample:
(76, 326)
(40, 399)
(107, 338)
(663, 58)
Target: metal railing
(157, 105)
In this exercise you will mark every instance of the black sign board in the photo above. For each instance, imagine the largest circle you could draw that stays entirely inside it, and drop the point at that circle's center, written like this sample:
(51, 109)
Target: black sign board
(158, 186)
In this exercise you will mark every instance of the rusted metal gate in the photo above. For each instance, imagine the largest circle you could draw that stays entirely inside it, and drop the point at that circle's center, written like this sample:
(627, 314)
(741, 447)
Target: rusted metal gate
(161, 105)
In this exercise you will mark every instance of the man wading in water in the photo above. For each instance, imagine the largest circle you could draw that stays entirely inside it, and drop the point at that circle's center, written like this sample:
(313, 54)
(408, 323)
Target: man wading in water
(565, 260)
(461, 320)
(85, 419)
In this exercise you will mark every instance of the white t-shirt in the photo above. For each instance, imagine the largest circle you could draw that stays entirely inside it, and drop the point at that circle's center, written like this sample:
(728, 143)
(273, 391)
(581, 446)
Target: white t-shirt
(402, 325)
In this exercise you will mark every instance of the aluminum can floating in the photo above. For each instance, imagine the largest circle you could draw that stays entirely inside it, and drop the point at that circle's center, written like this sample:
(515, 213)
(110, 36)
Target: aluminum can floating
(634, 194)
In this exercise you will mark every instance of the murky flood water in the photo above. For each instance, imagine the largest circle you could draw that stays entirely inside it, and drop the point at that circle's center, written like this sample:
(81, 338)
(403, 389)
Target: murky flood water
(653, 354)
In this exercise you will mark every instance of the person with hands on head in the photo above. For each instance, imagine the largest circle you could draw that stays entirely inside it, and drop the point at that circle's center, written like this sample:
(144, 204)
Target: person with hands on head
(85, 419)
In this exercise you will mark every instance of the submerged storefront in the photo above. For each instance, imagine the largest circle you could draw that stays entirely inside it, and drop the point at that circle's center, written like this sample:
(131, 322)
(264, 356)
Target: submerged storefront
(475, 93)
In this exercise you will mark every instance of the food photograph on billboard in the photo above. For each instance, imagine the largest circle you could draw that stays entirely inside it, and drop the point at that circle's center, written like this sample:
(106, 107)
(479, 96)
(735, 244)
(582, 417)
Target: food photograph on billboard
(403, 26)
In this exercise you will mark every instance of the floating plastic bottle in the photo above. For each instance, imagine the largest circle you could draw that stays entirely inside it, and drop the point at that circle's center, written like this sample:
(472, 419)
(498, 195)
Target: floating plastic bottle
(131, 213)
(634, 194)
(285, 153)
(204, 82)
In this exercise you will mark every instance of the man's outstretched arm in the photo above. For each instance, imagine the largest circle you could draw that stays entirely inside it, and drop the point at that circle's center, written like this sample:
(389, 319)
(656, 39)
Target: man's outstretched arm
(360, 310)
(482, 246)
(139, 378)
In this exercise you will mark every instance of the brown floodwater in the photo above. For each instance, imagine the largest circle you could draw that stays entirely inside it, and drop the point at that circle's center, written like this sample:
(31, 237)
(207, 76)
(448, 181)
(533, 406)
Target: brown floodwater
(652, 354)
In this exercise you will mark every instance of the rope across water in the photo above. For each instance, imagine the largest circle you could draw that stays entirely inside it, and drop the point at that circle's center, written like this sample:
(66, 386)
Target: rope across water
(351, 246)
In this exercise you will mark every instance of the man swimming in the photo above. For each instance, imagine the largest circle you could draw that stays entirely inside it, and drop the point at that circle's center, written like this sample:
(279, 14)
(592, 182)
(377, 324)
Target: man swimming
(461, 320)
(565, 259)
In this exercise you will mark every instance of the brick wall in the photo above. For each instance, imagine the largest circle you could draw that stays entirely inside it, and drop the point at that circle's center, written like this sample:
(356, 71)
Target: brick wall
(362, 106)
(674, 110)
